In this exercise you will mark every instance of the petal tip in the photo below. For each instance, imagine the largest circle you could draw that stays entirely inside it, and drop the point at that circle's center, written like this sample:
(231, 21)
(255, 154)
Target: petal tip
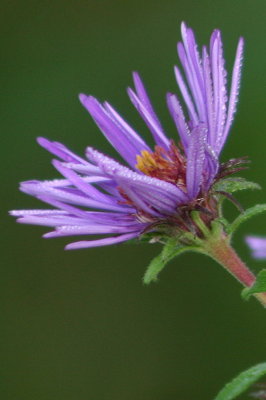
(56, 163)
(71, 246)
(48, 235)
(82, 98)
(43, 142)
(241, 41)
(183, 26)
(135, 75)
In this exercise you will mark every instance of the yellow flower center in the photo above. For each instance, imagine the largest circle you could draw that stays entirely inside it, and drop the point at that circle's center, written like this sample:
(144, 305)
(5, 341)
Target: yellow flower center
(167, 165)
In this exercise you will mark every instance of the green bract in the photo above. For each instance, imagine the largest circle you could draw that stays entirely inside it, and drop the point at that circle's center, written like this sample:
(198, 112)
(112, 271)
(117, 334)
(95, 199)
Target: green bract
(231, 185)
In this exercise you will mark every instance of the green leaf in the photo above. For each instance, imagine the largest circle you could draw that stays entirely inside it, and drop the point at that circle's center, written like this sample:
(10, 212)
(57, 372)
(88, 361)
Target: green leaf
(231, 185)
(242, 382)
(170, 250)
(258, 286)
(250, 212)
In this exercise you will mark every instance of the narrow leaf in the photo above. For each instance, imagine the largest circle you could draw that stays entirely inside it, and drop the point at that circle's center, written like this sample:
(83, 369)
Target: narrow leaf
(242, 382)
(258, 286)
(231, 185)
(250, 212)
(170, 250)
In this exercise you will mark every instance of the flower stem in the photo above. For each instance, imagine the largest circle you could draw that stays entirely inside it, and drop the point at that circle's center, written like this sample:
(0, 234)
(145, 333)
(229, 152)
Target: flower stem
(222, 252)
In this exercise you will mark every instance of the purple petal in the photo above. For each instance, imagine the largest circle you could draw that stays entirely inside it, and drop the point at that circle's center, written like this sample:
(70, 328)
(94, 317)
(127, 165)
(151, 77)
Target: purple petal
(60, 151)
(211, 166)
(219, 88)
(235, 86)
(105, 163)
(205, 93)
(129, 132)
(209, 97)
(150, 201)
(195, 160)
(71, 210)
(125, 141)
(61, 183)
(139, 203)
(51, 221)
(92, 171)
(22, 213)
(144, 98)
(190, 60)
(70, 230)
(117, 171)
(70, 216)
(39, 189)
(193, 69)
(179, 119)
(81, 184)
(156, 198)
(101, 242)
(152, 123)
(257, 245)
(186, 96)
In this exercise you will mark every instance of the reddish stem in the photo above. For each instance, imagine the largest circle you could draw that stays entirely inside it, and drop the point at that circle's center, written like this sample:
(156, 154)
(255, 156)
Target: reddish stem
(221, 251)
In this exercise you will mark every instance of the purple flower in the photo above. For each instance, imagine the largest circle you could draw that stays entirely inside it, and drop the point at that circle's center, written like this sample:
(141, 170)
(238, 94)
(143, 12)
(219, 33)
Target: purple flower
(160, 187)
(257, 245)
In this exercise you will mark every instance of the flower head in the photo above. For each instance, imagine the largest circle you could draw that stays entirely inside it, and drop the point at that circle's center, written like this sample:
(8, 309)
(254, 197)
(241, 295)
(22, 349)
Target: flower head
(160, 186)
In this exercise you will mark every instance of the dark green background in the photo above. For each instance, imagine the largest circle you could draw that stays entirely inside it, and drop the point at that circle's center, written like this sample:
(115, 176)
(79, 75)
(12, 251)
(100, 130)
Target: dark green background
(81, 325)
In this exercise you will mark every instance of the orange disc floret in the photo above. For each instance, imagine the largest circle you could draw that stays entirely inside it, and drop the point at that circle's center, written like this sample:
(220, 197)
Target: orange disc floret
(167, 165)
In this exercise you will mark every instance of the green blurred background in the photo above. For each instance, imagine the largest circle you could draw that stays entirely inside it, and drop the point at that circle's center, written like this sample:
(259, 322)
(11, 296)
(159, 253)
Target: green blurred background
(81, 325)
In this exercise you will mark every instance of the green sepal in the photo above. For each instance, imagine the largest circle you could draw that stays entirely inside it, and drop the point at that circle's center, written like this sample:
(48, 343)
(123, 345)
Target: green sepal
(250, 212)
(223, 222)
(242, 382)
(149, 237)
(170, 250)
(152, 237)
(231, 185)
(259, 286)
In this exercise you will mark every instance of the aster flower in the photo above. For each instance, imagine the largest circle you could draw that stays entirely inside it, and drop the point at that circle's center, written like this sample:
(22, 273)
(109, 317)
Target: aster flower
(257, 246)
(170, 193)
(158, 187)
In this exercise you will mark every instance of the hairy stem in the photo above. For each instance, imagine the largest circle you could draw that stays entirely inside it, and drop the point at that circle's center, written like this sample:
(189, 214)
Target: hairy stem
(221, 251)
